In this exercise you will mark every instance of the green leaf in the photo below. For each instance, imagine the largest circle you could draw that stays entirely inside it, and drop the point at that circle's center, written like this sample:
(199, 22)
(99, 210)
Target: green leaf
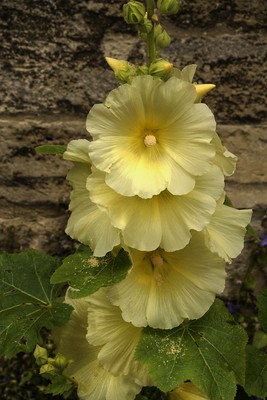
(60, 385)
(256, 372)
(28, 302)
(53, 149)
(86, 273)
(209, 351)
(262, 307)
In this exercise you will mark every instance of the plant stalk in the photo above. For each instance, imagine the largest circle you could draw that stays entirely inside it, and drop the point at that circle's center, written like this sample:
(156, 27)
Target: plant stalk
(151, 48)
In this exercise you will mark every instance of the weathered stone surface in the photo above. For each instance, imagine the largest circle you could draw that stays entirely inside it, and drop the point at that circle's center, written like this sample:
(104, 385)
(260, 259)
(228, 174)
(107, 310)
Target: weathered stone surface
(52, 54)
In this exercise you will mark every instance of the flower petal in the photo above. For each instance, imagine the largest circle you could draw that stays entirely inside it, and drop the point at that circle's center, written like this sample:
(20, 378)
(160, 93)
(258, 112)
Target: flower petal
(117, 338)
(164, 288)
(187, 391)
(77, 150)
(88, 223)
(162, 221)
(224, 158)
(225, 233)
(94, 382)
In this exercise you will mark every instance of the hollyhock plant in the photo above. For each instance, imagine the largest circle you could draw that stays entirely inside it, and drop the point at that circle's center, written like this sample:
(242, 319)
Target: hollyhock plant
(149, 208)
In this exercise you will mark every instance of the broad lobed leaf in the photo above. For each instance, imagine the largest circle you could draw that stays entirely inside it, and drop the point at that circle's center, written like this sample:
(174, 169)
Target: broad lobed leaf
(86, 273)
(209, 351)
(28, 302)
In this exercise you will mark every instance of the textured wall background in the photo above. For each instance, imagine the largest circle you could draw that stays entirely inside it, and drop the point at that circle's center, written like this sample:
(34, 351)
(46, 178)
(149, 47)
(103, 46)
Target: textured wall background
(53, 70)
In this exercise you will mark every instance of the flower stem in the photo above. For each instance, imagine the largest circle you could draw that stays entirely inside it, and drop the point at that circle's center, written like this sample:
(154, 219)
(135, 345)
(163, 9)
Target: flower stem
(151, 48)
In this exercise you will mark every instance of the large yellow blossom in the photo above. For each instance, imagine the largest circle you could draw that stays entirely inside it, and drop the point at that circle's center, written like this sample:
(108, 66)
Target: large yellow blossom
(164, 220)
(94, 382)
(163, 289)
(118, 338)
(150, 136)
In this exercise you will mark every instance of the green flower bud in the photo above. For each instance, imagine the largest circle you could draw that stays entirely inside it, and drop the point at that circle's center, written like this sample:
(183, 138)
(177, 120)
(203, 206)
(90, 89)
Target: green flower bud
(161, 68)
(60, 362)
(48, 369)
(124, 70)
(40, 355)
(162, 39)
(133, 12)
(168, 7)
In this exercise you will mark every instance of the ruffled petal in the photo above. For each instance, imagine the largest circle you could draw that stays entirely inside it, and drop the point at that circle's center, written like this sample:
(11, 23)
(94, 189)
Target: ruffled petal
(77, 151)
(164, 288)
(88, 223)
(117, 338)
(225, 233)
(162, 221)
(224, 158)
(94, 382)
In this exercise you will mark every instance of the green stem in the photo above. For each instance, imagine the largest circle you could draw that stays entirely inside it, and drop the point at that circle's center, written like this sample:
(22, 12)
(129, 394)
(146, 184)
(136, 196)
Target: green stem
(151, 48)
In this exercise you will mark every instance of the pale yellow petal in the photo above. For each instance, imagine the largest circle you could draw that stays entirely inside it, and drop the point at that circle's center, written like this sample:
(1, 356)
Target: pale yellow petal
(117, 338)
(224, 158)
(162, 221)
(225, 233)
(98, 384)
(78, 151)
(187, 391)
(164, 288)
(88, 223)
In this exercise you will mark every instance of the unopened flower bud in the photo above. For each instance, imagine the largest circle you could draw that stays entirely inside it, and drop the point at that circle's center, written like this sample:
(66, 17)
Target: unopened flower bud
(124, 71)
(168, 7)
(60, 362)
(202, 90)
(144, 28)
(162, 39)
(40, 355)
(161, 68)
(48, 369)
(134, 12)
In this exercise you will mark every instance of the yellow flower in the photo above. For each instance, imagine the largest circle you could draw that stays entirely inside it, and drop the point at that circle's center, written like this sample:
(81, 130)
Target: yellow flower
(187, 391)
(94, 382)
(118, 339)
(88, 223)
(163, 288)
(150, 136)
(164, 220)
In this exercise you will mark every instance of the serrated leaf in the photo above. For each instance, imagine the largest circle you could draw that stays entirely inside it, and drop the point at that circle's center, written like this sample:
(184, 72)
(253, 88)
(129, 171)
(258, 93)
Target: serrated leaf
(53, 149)
(262, 307)
(256, 372)
(86, 273)
(209, 351)
(60, 385)
(28, 302)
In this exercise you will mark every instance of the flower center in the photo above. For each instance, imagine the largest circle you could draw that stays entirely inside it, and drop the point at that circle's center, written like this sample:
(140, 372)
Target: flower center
(150, 140)
(156, 259)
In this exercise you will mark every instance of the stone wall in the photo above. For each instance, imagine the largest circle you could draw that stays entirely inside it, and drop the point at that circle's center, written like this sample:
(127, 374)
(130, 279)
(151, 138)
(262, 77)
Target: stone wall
(53, 70)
